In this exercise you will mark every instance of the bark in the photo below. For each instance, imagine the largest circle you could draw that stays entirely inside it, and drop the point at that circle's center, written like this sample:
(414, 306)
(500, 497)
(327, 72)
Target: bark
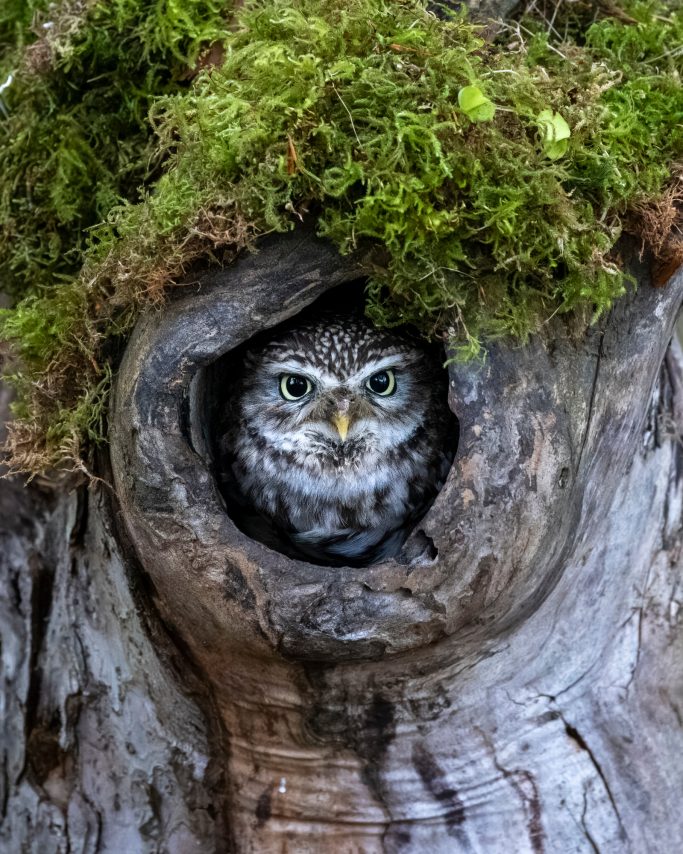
(517, 681)
(519, 677)
(102, 746)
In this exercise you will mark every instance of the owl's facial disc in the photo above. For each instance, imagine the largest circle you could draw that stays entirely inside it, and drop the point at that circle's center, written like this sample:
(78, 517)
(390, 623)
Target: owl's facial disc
(338, 410)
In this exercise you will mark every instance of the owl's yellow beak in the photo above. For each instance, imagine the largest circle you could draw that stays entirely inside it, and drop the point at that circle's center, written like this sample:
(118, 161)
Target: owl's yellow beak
(341, 422)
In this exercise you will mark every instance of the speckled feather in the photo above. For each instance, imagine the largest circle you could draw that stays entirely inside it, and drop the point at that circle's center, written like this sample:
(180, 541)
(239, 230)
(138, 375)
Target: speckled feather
(290, 479)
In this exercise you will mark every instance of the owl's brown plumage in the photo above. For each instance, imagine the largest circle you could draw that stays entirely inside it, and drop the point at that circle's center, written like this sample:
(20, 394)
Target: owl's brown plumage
(338, 438)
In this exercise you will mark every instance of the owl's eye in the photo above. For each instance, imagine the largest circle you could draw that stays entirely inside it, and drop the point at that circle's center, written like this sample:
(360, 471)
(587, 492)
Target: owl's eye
(294, 387)
(382, 383)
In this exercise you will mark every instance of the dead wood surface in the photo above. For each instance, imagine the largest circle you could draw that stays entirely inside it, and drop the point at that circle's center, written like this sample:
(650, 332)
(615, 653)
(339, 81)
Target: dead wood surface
(523, 688)
(524, 684)
(102, 746)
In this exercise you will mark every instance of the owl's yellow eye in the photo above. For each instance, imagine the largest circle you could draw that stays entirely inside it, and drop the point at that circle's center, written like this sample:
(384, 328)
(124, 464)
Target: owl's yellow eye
(382, 383)
(294, 386)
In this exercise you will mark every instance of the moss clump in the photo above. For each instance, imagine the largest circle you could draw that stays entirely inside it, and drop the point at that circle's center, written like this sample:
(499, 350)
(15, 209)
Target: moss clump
(496, 178)
(75, 139)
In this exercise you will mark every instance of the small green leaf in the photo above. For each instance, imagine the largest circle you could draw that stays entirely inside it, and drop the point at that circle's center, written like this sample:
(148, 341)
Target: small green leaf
(475, 105)
(555, 133)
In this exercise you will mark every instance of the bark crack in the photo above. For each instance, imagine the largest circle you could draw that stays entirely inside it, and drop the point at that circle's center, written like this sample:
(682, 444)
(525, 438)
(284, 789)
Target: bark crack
(573, 684)
(524, 784)
(591, 402)
(638, 610)
(576, 736)
(593, 844)
(673, 364)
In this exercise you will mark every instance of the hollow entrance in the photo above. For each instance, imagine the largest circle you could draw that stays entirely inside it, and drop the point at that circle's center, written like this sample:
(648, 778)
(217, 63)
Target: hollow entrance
(329, 438)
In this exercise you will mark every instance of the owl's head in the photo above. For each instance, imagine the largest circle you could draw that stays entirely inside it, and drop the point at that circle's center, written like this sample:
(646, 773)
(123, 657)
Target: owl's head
(338, 388)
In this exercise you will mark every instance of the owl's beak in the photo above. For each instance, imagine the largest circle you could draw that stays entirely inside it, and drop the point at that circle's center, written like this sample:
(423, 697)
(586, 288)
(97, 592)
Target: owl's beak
(341, 422)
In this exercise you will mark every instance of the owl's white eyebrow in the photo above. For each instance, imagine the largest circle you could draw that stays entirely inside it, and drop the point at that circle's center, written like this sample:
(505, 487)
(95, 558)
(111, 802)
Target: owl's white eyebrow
(277, 368)
(392, 360)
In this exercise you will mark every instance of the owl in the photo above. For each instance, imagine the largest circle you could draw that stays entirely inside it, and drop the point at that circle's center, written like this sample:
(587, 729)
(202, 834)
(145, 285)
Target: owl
(337, 439)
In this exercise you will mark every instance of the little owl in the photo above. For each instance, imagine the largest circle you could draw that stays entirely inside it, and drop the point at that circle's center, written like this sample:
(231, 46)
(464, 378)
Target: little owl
(337, 439)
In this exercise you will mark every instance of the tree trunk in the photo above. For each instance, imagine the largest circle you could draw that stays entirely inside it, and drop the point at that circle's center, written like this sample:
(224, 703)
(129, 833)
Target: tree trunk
(103, 746)
(515, 683)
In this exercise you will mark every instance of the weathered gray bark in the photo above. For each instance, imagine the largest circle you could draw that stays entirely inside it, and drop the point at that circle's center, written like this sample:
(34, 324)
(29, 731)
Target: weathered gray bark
(522, 690)
(102, 747)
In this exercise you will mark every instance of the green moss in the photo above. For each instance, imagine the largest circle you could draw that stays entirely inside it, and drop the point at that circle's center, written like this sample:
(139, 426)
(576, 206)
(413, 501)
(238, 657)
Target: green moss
(488, 217)
(75, 140)
(361, 126)
(16, 17)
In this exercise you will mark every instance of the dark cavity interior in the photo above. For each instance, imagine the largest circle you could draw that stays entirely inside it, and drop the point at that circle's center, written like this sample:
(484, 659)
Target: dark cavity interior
(220, 386)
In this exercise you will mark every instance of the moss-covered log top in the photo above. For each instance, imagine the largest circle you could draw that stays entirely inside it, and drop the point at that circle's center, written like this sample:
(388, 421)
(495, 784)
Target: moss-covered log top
(494, 175)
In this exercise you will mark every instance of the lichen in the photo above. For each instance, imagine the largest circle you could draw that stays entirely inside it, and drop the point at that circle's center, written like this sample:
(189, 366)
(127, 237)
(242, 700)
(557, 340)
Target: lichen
(494, 178)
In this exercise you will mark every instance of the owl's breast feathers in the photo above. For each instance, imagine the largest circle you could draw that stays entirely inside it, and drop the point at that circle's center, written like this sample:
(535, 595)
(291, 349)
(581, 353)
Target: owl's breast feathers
(358, 510)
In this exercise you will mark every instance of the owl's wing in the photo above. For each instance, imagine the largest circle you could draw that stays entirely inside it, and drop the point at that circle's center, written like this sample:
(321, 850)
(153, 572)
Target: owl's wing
(248, 519)
(349, 546)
